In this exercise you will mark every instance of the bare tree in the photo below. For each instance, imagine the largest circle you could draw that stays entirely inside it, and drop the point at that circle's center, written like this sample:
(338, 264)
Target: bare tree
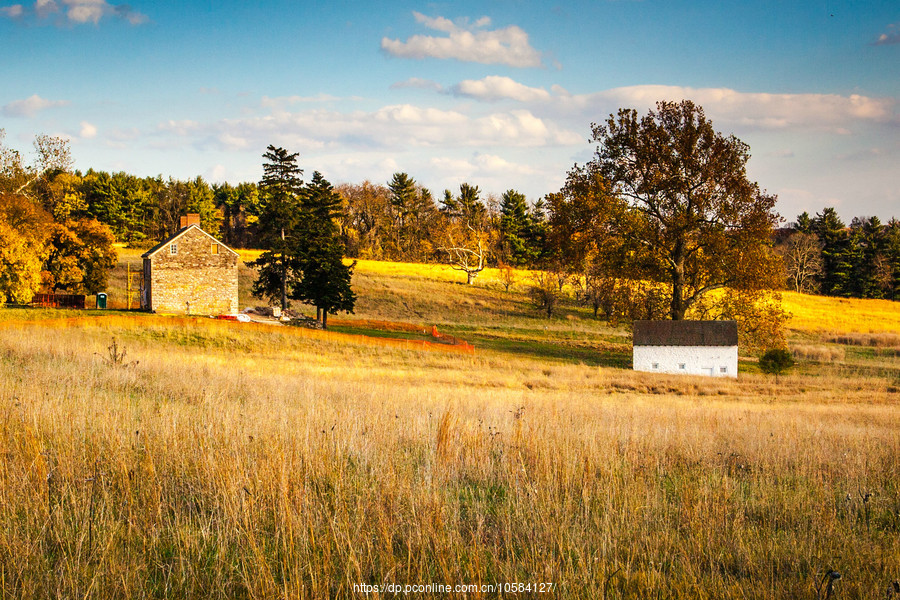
(508, 275)
(883, 275)
(803, 262)
(466, 248)
(544, 292)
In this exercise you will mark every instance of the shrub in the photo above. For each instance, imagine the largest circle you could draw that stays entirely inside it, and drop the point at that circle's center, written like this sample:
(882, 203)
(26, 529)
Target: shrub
(776, 361)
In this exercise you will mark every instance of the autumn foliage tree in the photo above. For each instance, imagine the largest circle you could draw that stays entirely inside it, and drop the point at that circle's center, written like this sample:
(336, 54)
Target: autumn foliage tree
(80, 257)
(24, 229)
(666, 198)
(47, 239)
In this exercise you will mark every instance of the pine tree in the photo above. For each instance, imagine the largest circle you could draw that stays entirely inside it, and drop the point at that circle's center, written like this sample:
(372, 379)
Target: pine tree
(836, 269)
(280, 218)
(890, 275)
(469, 206)
(515, 229)
(873, 247)
(324, 280)
(804, 223)
(403, 198)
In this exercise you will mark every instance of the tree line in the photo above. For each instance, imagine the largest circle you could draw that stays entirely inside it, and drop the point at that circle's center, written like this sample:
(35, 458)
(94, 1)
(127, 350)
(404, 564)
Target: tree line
(661, 223)
(824, 256)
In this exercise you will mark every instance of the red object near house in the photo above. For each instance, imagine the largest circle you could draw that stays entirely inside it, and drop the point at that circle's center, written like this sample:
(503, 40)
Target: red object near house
(58, 301)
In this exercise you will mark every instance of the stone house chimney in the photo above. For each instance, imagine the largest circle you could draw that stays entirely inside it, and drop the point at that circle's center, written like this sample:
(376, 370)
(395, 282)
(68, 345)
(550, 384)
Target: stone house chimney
(190, 219)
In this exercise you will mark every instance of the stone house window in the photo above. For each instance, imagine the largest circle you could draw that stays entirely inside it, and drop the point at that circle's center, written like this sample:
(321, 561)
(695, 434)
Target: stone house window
(173, 248)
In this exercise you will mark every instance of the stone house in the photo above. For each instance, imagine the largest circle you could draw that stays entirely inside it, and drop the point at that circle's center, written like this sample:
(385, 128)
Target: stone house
(190, 273)
(687, 347)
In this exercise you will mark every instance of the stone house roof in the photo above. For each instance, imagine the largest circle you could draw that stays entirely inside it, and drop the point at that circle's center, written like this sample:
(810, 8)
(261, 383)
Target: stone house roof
(685, 333)
(149, 253)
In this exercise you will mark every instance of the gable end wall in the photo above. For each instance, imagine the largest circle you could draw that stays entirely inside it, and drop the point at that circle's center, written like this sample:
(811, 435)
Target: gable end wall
(194, 281)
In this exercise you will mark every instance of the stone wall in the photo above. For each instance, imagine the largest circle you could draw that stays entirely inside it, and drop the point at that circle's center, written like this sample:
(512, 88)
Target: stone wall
(194, 280)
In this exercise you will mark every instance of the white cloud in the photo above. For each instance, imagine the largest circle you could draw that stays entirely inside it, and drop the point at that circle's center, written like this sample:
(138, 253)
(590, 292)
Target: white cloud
(44, 8)
(399, 126)
(13, 12)
(766, 111)
(741, 110)
(492, 164)
(75, 11)
(417, 83)
(182, 128)
(282, 101)
(218, 173)
(493, 88)
(467, 43)
(891, 36)
(88, 130)
(30, 106)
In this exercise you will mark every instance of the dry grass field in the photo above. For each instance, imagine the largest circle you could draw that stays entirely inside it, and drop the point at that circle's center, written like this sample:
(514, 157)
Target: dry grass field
(223, 461)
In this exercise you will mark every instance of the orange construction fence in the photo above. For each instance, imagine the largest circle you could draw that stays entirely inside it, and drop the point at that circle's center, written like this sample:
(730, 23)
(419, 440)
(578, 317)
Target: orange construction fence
(447, 344)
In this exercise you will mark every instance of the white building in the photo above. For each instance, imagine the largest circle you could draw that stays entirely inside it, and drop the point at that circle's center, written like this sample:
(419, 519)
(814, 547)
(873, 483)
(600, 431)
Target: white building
(688, 347)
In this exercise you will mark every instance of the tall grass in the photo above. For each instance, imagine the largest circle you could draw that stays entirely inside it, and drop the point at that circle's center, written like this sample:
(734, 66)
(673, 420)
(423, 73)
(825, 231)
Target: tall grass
(236, 463)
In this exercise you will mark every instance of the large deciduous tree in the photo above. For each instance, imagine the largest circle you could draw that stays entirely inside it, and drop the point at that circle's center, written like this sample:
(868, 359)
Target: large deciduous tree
(24, 229)
(80, 257)
(681, 204)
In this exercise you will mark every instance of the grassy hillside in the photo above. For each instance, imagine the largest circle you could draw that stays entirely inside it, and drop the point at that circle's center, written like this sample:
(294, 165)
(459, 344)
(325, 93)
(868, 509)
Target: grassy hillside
(226, 461)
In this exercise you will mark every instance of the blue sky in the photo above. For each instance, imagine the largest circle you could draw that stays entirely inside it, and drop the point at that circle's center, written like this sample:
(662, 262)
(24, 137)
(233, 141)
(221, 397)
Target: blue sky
(497, 93)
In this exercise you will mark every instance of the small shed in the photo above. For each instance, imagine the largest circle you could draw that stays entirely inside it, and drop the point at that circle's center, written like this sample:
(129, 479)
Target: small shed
(707, 348)
(191, 272)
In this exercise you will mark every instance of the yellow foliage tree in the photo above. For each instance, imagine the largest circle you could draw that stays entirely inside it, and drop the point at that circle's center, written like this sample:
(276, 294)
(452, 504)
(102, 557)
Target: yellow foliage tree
(24, 229)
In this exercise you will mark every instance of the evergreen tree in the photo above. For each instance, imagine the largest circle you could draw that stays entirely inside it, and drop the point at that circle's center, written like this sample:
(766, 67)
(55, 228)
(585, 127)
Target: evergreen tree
(469, 206)
(239, 205)
(449, 205)
(403, 199)
(320, 206)
(280, 190)
(836, 268)
(890, 269)
(515, 229)
(538, 233)
(325, 280)
(873, 246)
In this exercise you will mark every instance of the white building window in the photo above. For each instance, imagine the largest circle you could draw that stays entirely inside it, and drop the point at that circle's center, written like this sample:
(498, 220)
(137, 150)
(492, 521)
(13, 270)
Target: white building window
(681, 366)
(655, 366)
(723, 369)
(173, 248)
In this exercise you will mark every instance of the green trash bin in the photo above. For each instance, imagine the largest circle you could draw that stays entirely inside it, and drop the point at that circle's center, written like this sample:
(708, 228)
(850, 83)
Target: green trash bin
(101, 300)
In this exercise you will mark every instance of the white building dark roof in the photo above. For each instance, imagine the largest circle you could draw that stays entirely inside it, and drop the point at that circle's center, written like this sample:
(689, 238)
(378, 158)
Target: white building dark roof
(685, 333)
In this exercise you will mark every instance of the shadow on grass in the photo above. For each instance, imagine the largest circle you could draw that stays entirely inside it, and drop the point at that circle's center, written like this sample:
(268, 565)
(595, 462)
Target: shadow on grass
(553, 351)
(595, 357)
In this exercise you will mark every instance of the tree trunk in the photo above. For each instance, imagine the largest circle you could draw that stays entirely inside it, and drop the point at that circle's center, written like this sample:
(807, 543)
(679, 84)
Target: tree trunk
(470, 277)
(324, 320)
(678, 308)
(283, 275)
